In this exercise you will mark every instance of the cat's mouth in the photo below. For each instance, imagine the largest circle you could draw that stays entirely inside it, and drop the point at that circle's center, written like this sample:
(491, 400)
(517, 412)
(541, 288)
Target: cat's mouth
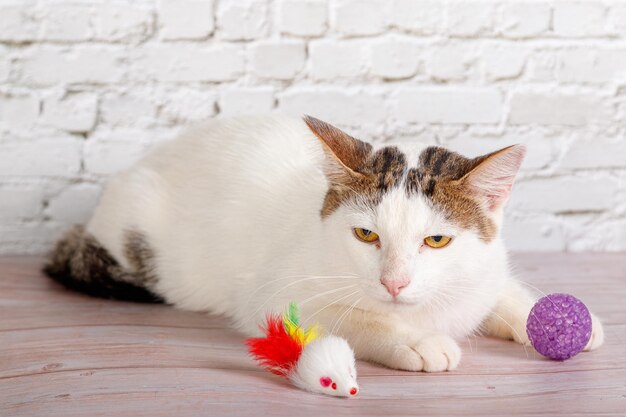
(398, 301)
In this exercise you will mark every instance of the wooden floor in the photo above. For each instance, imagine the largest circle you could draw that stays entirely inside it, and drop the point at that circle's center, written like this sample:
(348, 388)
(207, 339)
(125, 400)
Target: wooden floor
(65, 354)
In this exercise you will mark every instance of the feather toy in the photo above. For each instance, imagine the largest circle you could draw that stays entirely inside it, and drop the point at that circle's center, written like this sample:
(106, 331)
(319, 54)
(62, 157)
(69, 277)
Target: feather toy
(322, 364)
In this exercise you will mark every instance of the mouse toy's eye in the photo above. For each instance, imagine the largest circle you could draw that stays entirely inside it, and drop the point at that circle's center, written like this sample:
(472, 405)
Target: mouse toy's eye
(365, 235)
(437, 241)
(326, 381)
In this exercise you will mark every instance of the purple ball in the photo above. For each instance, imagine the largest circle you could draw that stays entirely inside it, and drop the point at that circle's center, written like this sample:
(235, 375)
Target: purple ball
(559, 326)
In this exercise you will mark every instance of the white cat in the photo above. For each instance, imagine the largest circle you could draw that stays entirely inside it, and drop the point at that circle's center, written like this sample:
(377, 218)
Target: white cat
(395, 248)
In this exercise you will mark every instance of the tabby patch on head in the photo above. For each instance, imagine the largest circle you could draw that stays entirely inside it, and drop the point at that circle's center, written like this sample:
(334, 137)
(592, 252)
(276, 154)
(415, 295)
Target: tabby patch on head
(469, 191)
(354, 170)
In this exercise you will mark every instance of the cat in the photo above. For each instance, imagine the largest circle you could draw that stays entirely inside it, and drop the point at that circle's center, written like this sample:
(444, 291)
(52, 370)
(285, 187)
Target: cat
(397, 248)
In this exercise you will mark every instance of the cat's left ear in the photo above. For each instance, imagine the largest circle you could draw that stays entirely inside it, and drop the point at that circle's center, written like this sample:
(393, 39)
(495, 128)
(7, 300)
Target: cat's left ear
(346, 154)
(493, 175)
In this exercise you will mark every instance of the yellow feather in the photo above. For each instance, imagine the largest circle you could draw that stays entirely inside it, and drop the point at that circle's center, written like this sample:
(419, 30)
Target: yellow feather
(296, 332)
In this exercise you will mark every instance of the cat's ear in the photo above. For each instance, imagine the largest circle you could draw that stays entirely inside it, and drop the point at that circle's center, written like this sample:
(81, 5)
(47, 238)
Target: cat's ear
(342, 150)
(493, 175)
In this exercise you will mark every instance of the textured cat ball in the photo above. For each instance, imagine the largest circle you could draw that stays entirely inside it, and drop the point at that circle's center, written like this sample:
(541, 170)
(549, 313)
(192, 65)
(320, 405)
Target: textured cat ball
(559, 326)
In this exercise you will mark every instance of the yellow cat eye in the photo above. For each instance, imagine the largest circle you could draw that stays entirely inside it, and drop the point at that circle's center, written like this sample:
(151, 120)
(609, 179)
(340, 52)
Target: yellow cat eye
(437, 241)
(365, 235)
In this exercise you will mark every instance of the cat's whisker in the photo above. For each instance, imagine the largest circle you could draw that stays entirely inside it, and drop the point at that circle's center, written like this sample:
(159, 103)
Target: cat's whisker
(440, 303)
(343, 316)
(305, 277)
(275, 294)
(309, 318)
(301, 303)
(498, 316)
(531, 286)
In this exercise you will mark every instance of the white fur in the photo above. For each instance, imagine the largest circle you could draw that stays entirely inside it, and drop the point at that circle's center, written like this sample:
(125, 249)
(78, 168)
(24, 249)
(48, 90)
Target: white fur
(330, 357)
(232, 210)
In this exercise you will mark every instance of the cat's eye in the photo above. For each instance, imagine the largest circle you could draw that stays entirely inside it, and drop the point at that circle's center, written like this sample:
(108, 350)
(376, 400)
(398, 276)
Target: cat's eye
(437, 241)
(365, 235)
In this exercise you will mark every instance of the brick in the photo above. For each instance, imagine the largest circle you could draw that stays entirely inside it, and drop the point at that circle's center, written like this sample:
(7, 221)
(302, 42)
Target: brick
(536, 233)
(74, 112)
(449, 63)
(593, 234)
(395, 58)
(444, 105)
(21, 201)
(617, 19)
(556, 108)
(524, 19)
(241, 19)
(468, 19)
(359, 17)
(564, 194)
(277, 59)
(417, 16)
(186, 19)
(74, 204)
(127, 109)
(542, 65)
(539, 153)
(351, 108)
(54, 65)
(330, 59)
(579, 19)
(18, 110)
(582, 65)
(240, 101)
(122, 22)
(503, 62)
(595, 151)
(5, 64)
(187, 63)
(65, 22)
(302, 18)
(106, 157)
(18, 22)
(34, 237)
(187, 105)
(55, 157)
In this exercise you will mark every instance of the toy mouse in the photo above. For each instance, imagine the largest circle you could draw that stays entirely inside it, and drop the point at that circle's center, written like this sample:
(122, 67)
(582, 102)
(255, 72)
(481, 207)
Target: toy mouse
(323, 364)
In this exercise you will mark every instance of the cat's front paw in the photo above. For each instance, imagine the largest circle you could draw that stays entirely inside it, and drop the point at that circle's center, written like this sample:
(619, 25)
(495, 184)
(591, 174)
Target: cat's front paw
(597, 334)
(436, 353)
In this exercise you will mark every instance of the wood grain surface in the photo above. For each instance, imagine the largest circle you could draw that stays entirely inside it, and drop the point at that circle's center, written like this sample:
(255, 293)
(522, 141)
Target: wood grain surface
(65, 354)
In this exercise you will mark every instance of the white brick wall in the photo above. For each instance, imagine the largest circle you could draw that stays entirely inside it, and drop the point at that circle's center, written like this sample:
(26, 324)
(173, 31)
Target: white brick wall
(87, 86)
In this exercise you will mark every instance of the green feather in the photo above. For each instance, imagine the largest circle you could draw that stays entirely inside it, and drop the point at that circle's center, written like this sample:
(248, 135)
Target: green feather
(293, 313)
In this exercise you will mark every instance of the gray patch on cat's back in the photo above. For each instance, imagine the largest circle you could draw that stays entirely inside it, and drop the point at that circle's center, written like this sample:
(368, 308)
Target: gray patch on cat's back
(80, 262)
(140, 257)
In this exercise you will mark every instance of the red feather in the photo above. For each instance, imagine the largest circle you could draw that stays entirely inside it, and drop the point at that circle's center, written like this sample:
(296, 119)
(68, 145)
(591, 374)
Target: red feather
(277, 351)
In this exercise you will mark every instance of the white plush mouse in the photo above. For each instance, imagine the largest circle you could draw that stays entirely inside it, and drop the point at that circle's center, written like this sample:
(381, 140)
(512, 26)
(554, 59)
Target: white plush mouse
(324, 365)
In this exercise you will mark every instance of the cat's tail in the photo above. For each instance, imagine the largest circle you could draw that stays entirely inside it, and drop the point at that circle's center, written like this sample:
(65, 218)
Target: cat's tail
(81, 263)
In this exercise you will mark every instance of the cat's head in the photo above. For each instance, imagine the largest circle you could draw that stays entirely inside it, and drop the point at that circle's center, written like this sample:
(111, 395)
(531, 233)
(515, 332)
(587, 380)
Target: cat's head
(412, 218)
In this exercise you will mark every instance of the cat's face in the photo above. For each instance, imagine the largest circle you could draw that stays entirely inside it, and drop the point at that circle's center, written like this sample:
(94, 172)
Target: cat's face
(413, 218)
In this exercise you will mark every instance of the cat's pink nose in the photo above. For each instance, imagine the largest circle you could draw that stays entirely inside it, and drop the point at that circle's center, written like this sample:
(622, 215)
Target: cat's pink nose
(394, 286)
